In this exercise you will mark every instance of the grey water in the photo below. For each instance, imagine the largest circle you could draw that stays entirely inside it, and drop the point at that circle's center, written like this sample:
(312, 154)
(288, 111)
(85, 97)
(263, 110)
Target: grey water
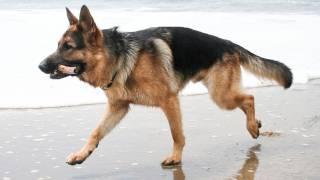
(255, 6)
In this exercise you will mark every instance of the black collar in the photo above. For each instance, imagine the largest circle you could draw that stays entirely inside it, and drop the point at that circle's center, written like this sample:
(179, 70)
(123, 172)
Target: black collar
(107, 86)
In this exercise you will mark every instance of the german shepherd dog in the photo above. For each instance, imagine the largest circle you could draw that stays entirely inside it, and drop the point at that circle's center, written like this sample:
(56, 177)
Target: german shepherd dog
(150, 67)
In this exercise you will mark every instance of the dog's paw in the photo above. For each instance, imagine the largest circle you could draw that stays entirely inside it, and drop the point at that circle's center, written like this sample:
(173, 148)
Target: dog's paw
(171, 162)
(254, 133)
(76, 158)
(253, 129)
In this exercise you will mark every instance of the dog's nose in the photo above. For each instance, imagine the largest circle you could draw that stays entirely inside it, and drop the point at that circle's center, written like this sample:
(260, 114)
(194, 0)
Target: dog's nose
(44, 67)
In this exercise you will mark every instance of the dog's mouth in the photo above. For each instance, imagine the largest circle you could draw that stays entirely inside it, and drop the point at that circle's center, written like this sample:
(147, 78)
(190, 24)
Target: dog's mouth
(62, 70)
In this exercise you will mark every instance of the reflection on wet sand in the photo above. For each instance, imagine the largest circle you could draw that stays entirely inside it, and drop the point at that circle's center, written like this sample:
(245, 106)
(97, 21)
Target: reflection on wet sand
(177, 173)
(247, 171)
(250, 166)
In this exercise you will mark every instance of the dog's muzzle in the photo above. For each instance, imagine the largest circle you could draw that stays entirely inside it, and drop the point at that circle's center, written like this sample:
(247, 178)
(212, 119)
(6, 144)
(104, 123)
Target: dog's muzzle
(59, 68)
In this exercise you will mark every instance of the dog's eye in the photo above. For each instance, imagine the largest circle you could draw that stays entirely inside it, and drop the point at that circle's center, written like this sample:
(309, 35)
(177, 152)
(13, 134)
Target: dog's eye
(66, 46)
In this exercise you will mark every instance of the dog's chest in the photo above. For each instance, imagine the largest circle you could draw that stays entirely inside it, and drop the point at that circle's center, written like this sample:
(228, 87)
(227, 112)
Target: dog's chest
(151, 95)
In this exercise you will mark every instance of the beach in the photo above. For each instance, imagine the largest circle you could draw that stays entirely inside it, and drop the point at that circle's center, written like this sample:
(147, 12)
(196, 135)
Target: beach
(35, 142)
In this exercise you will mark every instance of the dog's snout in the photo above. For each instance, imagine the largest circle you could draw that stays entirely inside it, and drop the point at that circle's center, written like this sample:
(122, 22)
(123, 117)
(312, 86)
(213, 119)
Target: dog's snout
(43, 66)
(48, 65)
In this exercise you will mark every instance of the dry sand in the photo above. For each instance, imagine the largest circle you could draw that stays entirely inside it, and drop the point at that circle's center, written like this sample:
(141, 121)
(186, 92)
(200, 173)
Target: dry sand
(34, 143)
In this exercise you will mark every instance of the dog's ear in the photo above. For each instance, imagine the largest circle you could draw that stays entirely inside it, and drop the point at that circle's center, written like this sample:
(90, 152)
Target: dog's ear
(86, 22)
(88, 26)
(72, 19)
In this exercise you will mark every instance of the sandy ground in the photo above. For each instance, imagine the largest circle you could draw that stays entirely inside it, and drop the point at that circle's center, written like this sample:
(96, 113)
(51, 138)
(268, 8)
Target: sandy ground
(34, 143)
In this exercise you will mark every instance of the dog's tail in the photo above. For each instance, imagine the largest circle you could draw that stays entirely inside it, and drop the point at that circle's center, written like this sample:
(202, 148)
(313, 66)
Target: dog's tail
(266, 68)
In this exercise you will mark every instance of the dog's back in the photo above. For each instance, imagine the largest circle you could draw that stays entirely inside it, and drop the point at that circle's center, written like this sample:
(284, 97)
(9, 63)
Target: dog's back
(194, 51)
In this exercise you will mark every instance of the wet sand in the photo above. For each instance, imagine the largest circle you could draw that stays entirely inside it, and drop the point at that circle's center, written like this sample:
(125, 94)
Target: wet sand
(34, 143)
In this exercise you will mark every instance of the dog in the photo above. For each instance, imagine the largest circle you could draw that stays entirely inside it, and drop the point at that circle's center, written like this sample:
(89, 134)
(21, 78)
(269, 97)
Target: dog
(150, 67)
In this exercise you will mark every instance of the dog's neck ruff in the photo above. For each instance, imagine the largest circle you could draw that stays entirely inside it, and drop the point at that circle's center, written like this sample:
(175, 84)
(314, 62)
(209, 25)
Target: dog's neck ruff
(109, 84)
(123, 49)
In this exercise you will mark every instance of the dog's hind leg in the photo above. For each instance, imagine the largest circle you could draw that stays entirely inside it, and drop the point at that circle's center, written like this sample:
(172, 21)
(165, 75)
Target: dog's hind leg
(224, 85)
(115, 112)
(247, 106)
(171, 108)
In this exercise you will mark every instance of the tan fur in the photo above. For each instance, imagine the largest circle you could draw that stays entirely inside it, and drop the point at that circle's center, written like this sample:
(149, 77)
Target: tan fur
(114, 114)
(97, 73)
(224, 86)
(171, 108)
(147, 84)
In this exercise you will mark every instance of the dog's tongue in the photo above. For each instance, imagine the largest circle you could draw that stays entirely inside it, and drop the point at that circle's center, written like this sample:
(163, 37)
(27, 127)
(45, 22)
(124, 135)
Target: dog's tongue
(67, 69)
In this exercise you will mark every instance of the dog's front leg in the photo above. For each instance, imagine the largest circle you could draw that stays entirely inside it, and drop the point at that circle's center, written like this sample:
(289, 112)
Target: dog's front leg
(171, 108)
(115, 112)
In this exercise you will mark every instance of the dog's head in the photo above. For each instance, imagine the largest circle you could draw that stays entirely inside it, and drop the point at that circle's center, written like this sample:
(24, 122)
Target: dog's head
(79, 50)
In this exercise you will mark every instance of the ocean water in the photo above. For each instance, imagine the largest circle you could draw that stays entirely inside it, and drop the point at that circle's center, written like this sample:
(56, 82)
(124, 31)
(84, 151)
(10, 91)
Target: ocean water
(282, 6)
(284, 30)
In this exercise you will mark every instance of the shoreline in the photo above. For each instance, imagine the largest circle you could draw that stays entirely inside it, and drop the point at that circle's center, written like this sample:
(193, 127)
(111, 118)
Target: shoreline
(181, 95)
